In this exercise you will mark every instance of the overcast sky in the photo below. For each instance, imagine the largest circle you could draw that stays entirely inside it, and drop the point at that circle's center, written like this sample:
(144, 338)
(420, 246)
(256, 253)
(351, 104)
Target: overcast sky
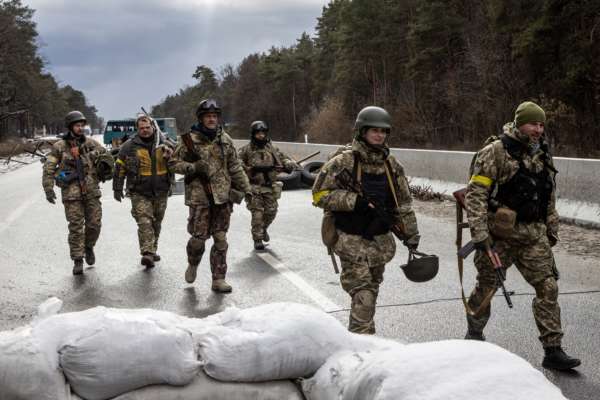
(124, 54)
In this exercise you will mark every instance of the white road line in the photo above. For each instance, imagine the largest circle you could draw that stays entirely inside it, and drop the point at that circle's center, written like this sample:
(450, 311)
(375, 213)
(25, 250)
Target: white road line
(16, 214)
(319, 298)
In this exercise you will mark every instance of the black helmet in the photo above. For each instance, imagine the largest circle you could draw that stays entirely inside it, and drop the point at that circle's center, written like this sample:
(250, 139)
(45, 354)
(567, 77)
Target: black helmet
(207, 106)
(420, 267)
(105, 165)
(372, 117)
(74, 116)
(258, 126)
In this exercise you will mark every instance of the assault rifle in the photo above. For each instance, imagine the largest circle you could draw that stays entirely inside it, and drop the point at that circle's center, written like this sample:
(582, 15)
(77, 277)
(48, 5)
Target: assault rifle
(464, 251)
(346, 181)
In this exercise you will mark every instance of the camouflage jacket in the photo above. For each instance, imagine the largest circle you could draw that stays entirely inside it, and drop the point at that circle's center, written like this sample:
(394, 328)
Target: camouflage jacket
(327, 194)
(60, 159)
(260, 164)
(144, 167)
(495, 166)
(218, 169)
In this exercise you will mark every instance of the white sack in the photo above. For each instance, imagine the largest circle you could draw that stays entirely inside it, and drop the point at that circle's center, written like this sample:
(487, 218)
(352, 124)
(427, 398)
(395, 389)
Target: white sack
(446, 370)
(206, 388)
(126, 353)
(270, 342)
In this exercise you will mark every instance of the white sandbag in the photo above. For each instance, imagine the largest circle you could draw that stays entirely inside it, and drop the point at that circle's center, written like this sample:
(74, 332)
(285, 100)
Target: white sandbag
(270, 342)
(206, 388)
(27, 369)
(448, 370)
(127, 353)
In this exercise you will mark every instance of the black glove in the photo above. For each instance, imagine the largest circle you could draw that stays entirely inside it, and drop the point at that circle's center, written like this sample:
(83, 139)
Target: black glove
(118, 195)
(412, 243)
(51, 196)
(553, 239)
(484, 244)
(361, 205)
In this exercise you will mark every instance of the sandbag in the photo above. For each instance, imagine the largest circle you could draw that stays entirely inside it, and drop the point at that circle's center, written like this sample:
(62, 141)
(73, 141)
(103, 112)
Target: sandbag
(446, 370)
(125, 354)
(206, 388)
(270, 342)
(28, 370)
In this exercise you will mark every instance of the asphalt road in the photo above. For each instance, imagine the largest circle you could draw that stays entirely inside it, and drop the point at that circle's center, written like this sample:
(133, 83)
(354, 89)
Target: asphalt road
(34, 265)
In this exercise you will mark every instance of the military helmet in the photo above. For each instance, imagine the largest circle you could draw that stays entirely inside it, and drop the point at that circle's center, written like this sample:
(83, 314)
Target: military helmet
(372, 117)
(207, 106)
(74, 116)
(105, 165)
(257, 126)
(420, 267)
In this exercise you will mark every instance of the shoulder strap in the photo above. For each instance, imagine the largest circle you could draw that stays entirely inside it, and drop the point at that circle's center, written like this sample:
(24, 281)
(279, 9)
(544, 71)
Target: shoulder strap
(356, 168)
(391, 181)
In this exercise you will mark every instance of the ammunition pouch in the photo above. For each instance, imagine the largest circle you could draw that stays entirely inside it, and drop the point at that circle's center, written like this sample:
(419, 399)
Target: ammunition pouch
(504, 222)
(329, 233)
(277, 189)
(236, 196)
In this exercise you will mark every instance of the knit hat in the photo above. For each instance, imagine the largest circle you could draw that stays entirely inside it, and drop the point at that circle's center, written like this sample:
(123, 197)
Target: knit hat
(528, 112)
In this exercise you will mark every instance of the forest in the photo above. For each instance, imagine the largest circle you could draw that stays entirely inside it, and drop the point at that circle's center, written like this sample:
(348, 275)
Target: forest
(450, 72)
(30, 97)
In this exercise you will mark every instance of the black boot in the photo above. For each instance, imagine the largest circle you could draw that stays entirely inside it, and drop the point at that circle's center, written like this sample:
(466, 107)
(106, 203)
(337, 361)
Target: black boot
(472, 335)
(556, 358)
(90, 257)
(258, 245)
(77, 266)
(266, 237)
(156, 257)
(148, 260)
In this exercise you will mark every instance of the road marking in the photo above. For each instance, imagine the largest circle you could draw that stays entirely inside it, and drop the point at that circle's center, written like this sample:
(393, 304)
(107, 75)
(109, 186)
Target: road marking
(16, 214)
(319, 298)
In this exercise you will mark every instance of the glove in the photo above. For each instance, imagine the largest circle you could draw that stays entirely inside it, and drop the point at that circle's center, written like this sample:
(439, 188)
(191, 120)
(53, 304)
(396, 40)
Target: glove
(51, 196)
(553, 239)
(118, 195)
(412, 243)
(361, 205)
(484, 244)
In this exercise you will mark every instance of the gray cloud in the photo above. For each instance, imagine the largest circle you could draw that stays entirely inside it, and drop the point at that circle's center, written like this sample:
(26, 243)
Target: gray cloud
(128, 53)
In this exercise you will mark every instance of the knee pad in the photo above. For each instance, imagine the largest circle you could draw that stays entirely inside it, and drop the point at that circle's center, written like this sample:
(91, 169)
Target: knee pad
(220, 239)
(195, 245)
(547, 289)
(363, 305)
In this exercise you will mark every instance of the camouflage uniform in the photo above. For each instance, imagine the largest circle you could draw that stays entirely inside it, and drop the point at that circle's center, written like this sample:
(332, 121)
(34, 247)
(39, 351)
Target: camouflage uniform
(261, 165)
(363, 260)
(148, 184)
(528, 246)
(82, 210)
(207, 194)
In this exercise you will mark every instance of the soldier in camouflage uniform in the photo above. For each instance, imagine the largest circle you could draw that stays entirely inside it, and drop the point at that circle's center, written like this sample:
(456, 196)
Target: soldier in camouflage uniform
(72, 164)
(142, 160)
(212, 169)
(516, 173)
(262, 161)
(365, 243)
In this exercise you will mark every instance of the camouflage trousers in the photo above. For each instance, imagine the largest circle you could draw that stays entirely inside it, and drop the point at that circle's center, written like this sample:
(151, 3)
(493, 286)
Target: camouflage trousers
(263, 207)
(85, 220)
(204, 222)
(148, 213)
(536, 263)
(363, 264)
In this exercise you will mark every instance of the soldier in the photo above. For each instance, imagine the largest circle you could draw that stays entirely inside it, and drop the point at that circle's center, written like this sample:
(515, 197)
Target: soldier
(262, 161)
(364, 242)
(212, 169)
(143, 161)
(73, 164)
(510, 205)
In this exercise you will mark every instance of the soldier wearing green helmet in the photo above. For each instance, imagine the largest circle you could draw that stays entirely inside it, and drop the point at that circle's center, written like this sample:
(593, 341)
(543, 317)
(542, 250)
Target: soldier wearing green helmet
(362, 238)
(77, 164)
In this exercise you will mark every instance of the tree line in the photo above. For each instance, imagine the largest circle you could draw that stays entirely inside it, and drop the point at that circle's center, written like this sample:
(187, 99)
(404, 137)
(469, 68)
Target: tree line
(30, 97)
(450, 72)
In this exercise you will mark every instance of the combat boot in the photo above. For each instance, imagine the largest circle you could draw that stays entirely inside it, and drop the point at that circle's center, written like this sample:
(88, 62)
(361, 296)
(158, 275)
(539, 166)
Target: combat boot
(556, 358)
(148, 260)
(221, 286)
(266, 237)
(190, 273)
(259, 245)
(77, 266)
(472, 335)
(90, 257)
(156, 257)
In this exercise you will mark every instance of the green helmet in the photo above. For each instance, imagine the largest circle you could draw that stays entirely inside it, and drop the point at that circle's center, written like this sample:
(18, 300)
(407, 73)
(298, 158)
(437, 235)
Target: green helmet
(372, 117)
(105, 165)
(420, 267)
(74, 116)
(207, 106)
